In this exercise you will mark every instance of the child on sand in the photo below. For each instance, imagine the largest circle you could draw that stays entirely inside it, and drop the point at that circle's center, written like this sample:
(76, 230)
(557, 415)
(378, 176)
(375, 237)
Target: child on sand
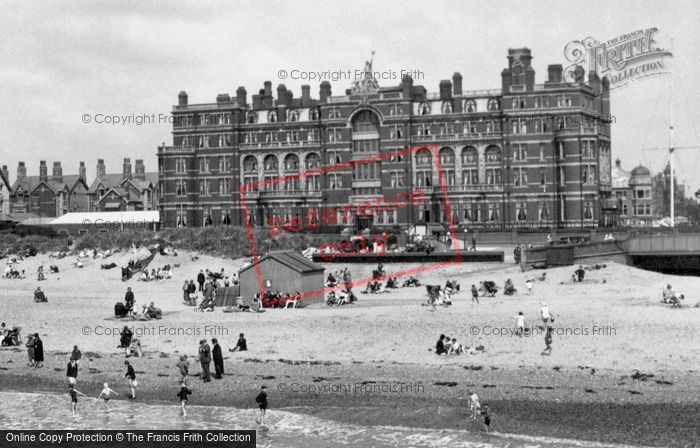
(475, 294)
(261, 399)
(548, 342)
(520, 324)
(184, 392)
(73, 392)
(474, 404)
(105, 395)
(528, 284)
(487, 418)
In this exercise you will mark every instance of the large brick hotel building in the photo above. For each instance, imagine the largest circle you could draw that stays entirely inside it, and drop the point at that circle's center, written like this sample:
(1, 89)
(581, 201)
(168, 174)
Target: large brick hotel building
(525, 154)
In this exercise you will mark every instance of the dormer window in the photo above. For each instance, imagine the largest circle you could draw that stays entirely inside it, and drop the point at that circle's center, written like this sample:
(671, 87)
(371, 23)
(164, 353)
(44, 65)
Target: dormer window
(470, 106)
(251, 117)
(447, 107)
(293, 115)
(272, 116)
(313, 114)
(494, 105)
(424, 109)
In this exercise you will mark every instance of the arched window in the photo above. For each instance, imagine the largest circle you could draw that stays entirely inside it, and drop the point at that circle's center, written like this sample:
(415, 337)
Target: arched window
(312, 161)
(272, 116)
(270, 163)
(470, 106)
(493, 154)
(291, 163)
(313, 114)
(469, 155)
(293, 115)
(447, 107)
(365, 121)
(251, 117)
(494, 105)
(424, 109)
(250, 165)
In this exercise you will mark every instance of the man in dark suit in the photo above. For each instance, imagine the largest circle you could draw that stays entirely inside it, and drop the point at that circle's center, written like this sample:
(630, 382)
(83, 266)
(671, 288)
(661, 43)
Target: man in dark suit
(201, 279)
(129, 299)
(218, 359)
(205, 359)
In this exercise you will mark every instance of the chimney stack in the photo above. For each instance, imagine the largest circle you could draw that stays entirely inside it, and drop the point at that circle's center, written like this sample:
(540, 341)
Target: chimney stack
(305, 95)
(82, 173)
(407, 87)
(241, 96)
(140, 170)
(101, 170)
(6, 172)
(281, 95)
(267, 94)
(57, 174)
(21, 170)
(325, 91)
(182, 99)
(554, 72)
(457, 83)
(126, 168)
(445, 89)
(43, 171)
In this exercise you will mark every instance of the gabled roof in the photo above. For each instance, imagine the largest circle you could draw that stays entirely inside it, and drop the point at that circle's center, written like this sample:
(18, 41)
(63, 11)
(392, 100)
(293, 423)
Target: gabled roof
(117, 180)
(5, 180)
(290, 259)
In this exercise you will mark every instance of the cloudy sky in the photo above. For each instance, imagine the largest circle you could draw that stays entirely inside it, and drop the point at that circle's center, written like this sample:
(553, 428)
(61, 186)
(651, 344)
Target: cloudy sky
(60, 60)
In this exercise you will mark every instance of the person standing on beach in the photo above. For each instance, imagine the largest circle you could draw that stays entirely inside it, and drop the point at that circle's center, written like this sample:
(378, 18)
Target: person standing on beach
(528, 284)
(261, 399)
(30, 351)
(38, 351)
(201, 279)
(184, 392)
(487, 418)
(130, 375)
(105, 395)
(473, 242)
(184, 367)
(73, 392)
(76, 355)
(218, 359)
(129, 299)
(72, 372)
(544, 313)
(474, 405)
(520, 324)
(205, 359)
(548, 342)
(475, 294)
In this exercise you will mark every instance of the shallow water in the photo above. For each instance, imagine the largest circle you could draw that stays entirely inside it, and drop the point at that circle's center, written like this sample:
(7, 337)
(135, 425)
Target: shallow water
(284, 429)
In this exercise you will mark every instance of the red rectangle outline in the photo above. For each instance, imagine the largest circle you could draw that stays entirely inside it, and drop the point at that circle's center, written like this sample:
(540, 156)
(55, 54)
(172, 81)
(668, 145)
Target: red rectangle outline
(433, 148)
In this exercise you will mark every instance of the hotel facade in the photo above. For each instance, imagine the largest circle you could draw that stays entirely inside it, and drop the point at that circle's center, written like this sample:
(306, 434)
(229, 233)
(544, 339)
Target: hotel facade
(523, 155)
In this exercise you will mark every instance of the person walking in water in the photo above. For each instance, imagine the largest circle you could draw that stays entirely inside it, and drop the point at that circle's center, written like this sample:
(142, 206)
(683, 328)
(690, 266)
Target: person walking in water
(106, 395)
(73, 392)
(130, 375)
(261, 399)
(184, 392)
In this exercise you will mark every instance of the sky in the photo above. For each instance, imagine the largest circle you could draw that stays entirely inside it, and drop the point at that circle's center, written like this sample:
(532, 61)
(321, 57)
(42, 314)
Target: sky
(61, 61)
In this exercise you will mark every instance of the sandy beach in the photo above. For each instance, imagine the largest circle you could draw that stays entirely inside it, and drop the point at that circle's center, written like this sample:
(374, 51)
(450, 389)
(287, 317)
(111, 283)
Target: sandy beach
(372, 362)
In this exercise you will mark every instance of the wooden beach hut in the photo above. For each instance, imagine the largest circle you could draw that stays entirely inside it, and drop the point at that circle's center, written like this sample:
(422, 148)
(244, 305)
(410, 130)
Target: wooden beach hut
(287, 272)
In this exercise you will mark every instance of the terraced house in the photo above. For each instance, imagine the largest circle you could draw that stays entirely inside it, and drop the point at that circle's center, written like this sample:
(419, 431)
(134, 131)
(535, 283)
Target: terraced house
(524, 154)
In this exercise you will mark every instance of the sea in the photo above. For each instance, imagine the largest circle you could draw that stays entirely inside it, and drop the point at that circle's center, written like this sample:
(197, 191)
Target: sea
(283, 429)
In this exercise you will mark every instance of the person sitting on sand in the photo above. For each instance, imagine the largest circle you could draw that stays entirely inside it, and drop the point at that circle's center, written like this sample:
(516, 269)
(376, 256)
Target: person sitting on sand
(447, 343)
(667, 293)
(207, 304)
(134, 348)
(125, 337)
(153, 312)
(675, 300)
(509, 288)
(241, 345)
(331, 281)
(456, 347)
(391, 283)
(580, 274)
(39, 295)
(440, 346)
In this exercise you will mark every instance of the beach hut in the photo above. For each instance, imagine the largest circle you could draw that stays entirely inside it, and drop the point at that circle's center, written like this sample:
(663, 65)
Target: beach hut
(286, 272)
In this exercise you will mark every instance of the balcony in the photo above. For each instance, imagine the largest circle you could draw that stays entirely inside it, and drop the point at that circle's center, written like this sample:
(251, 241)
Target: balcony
(272, 145)
(473, 188)
(281, 194)
(449, 137)
(176, 150)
